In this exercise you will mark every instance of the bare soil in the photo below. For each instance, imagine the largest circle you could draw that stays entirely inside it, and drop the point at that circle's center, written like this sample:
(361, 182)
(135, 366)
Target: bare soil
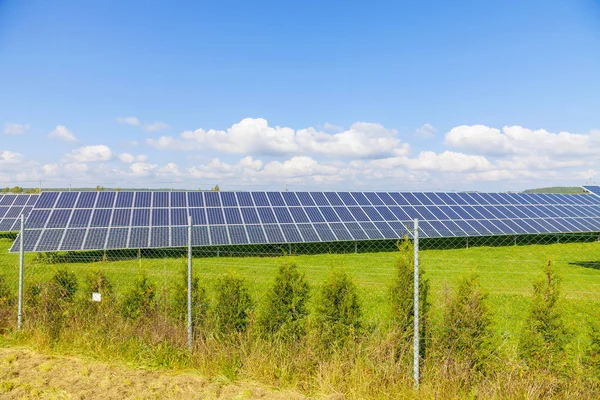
(25, 374)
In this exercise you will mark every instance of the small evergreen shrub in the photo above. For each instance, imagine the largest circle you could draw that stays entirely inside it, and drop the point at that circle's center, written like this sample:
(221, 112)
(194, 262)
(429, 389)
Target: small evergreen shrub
(199, 300)
(466, 336)
(544, 334)
(338, 311)
(233, 304)
(140, 300)
(285, 309)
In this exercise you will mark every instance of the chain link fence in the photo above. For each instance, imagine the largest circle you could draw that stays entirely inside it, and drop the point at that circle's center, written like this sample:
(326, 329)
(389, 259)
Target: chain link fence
(342, 316)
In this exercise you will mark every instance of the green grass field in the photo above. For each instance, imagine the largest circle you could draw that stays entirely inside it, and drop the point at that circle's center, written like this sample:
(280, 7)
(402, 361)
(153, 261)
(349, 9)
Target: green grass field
(506, 272)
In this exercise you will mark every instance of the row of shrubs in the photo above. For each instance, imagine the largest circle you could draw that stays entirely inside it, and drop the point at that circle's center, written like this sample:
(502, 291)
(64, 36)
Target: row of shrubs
(463, 342)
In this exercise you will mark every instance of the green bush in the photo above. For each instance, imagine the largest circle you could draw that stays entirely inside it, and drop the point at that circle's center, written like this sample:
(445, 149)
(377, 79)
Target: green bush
(544, 334)
(285, 309)
(140, 300)
(199, 300)
(402, 296)
(6, 303)
(338, 311)
(66, 284)
(233, 304)
(97, 282)
(466, 336)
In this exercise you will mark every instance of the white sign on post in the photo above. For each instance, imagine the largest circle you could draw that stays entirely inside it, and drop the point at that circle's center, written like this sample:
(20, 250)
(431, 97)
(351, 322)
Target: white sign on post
(96, 296)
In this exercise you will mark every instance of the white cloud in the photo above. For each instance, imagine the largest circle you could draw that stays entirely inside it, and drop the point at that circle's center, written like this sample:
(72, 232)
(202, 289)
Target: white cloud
(9, 157)
(518, 140)
(255, 136)
(90, 154)
(16, 129)
(129, 121)
(146, 126)
(332, 128)
(128, 158)
(426, 131)
(62, 133)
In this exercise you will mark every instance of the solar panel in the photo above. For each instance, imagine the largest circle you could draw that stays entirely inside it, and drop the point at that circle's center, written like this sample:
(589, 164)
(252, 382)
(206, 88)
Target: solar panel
(12, 206)
(119, 220)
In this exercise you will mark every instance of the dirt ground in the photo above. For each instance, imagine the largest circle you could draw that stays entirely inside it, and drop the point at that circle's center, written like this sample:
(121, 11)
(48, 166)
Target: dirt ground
(25, 374)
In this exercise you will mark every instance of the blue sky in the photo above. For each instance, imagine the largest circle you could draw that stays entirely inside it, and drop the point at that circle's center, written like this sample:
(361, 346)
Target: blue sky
(344, 95)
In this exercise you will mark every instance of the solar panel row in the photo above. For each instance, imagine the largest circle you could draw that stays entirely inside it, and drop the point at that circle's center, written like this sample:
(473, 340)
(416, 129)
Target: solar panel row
(117, 220)
(593, 189)
(11, 208)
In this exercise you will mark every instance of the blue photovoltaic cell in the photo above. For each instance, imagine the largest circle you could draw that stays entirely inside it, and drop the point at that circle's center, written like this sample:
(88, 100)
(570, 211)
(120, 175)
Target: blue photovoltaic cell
(324, 232)
(66, 200)
(400, 214)
(358, 214)
(38, 218)
(313, 214)
(356, 231)
(334, 199)
(159, 237)
(138, 238)
(260, 199)
(372, 214)
(46, 200)
(344, 214)
(200, 236)
(105, 200)
(117, 238)
(96, 238)
(86, 200)
(124, 200)
(305, 199)
(385, 230)
(21, 200)
(160, 217)
(232, 216)
(14, 212)
(237, 233)
(49, 239)
(423, 199)
(386, 213)
(218, 235)
(283, 215)
(73, 239)
(411, 199)
(179, 236)
(8, 199)
(340, 231)
(32, 200)
(273, 233)
(59, 219)
(347, 199)
(228, 199)
(308, 233)
(360, 198)
(195, 199)
(160, 199)
(101, 218)
(80, 218)
(329, 214)
(374, 199)
(178, 199)
(215, 216)
(371, 230)
(6, 225)
(179, 217)
(198, 216)
(399, 199)
(3, 211)
(142, 199)
(386, 198)
(121, 217)
(212, 199)
(291, 234)
(245, 199)
(276, 199)
(299, 215)
(256, 234)
(290, 199)
(266, 215)
(401, 229)
(250, 215)
(141, 217)
(319, 198)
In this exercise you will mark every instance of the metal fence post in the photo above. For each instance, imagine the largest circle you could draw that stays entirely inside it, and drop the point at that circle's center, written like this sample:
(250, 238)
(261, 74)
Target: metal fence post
(189, 284)
(21, 265)
(416, 355)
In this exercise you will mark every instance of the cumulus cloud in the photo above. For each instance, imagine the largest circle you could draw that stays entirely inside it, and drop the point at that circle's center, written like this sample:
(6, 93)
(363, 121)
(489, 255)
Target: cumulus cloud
(90, 154)
(62, 133)
(518, 140)
(10, 157)
(16, 129)
(146, 126)
(426, 131)
(128, 158)
(255, 136)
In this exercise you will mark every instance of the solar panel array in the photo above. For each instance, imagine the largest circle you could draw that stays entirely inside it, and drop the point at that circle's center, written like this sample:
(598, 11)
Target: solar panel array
(121, 220)
(593, 189)
(11, 208)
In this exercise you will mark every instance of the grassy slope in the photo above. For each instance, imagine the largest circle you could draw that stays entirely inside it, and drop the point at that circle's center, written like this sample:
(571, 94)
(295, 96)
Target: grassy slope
(557, 189)
(506, 272)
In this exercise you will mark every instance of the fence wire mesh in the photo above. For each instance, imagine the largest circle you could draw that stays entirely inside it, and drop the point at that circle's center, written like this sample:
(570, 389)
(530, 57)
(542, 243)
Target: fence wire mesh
(348, 295)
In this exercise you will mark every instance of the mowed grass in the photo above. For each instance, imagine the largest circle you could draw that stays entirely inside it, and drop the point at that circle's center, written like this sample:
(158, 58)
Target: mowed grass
(505, 272)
